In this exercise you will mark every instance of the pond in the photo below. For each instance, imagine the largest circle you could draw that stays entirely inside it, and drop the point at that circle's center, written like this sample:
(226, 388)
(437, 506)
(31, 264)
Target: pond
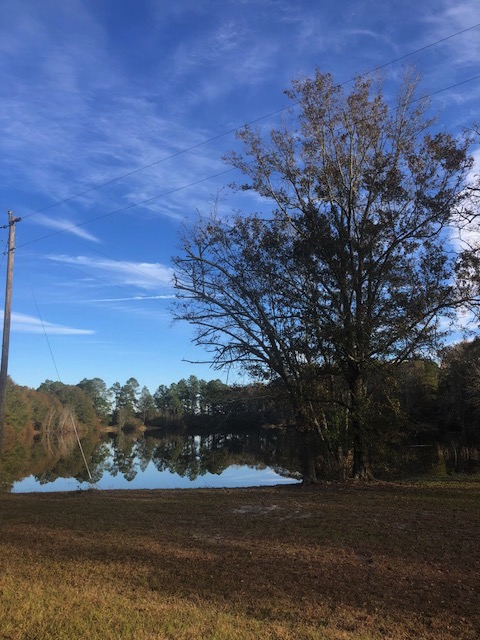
(150, 460)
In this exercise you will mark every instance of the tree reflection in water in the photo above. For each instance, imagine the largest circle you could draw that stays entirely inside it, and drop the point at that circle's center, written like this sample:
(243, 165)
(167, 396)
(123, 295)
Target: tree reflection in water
(50, 456)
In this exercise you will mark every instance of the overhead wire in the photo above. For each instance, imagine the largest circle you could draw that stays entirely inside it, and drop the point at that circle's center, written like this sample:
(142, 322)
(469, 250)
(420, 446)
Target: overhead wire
(191, 148)
(151, 276)
(59, 379)
(126, 208)
(240, 127)
(211, 177)
(166, 193)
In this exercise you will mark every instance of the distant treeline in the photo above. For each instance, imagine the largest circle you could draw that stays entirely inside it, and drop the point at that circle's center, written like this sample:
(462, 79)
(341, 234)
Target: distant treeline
(422, 403)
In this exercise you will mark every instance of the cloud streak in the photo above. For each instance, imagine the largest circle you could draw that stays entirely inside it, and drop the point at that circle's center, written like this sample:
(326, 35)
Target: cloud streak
(23, 323)
(62, 224)
(169, 297)
(145, 275)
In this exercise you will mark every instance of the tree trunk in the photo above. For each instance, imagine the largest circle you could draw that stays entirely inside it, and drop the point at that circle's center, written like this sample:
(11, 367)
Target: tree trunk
(304, 426)
(316, 447)
(361, 469)
(309, 466)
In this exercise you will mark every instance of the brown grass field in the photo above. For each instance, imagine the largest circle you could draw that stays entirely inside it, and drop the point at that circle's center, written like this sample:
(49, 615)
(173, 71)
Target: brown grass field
(343, 562)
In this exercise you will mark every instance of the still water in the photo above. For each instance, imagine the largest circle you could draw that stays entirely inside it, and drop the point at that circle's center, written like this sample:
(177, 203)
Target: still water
(156, 460)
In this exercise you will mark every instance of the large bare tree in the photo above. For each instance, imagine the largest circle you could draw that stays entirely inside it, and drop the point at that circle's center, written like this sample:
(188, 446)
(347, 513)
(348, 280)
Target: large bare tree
(353, 270)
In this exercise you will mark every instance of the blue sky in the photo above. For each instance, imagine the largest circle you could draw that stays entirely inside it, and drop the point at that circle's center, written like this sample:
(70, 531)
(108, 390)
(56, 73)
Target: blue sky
(94, 89)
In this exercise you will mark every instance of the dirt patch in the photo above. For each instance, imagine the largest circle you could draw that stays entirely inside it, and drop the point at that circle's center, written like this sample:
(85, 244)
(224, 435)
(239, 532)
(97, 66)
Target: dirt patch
(255, 509)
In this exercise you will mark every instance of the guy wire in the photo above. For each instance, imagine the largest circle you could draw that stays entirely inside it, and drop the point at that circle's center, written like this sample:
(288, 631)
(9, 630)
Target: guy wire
(59, 379)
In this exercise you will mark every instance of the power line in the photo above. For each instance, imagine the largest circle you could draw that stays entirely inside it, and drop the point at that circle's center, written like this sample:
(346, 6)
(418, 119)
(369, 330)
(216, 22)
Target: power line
(130, 206)
(238, 128)
(216, 175)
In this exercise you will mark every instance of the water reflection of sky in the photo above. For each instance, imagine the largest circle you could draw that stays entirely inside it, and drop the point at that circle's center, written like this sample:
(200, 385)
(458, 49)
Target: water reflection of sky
(151, 478)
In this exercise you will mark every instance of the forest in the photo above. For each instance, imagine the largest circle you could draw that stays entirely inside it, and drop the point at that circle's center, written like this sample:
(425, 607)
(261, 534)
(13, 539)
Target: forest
(428, 412)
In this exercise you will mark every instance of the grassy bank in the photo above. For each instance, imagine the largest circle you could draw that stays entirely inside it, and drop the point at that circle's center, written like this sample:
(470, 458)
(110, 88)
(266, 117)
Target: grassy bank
(334, 562)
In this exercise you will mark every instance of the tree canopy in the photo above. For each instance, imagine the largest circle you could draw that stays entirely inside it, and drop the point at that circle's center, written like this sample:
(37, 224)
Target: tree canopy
(354, 269)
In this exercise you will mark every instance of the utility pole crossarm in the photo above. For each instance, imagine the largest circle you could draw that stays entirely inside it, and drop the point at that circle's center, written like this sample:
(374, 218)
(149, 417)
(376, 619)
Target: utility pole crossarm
(11, 222)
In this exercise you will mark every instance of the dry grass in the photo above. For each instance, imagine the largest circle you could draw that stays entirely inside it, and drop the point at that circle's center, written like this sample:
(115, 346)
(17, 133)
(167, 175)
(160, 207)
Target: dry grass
(338, 562)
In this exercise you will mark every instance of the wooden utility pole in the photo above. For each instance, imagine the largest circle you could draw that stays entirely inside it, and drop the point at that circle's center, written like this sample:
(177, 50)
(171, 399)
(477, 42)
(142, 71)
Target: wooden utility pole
(6, 321)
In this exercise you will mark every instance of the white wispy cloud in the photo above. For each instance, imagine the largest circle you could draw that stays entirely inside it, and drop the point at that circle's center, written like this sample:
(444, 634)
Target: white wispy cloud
(370, 33)
(233, 53)
(448, 17)
(77, 119)
(145, 275)
(23, 323)
(63, 224)
(169, 297)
